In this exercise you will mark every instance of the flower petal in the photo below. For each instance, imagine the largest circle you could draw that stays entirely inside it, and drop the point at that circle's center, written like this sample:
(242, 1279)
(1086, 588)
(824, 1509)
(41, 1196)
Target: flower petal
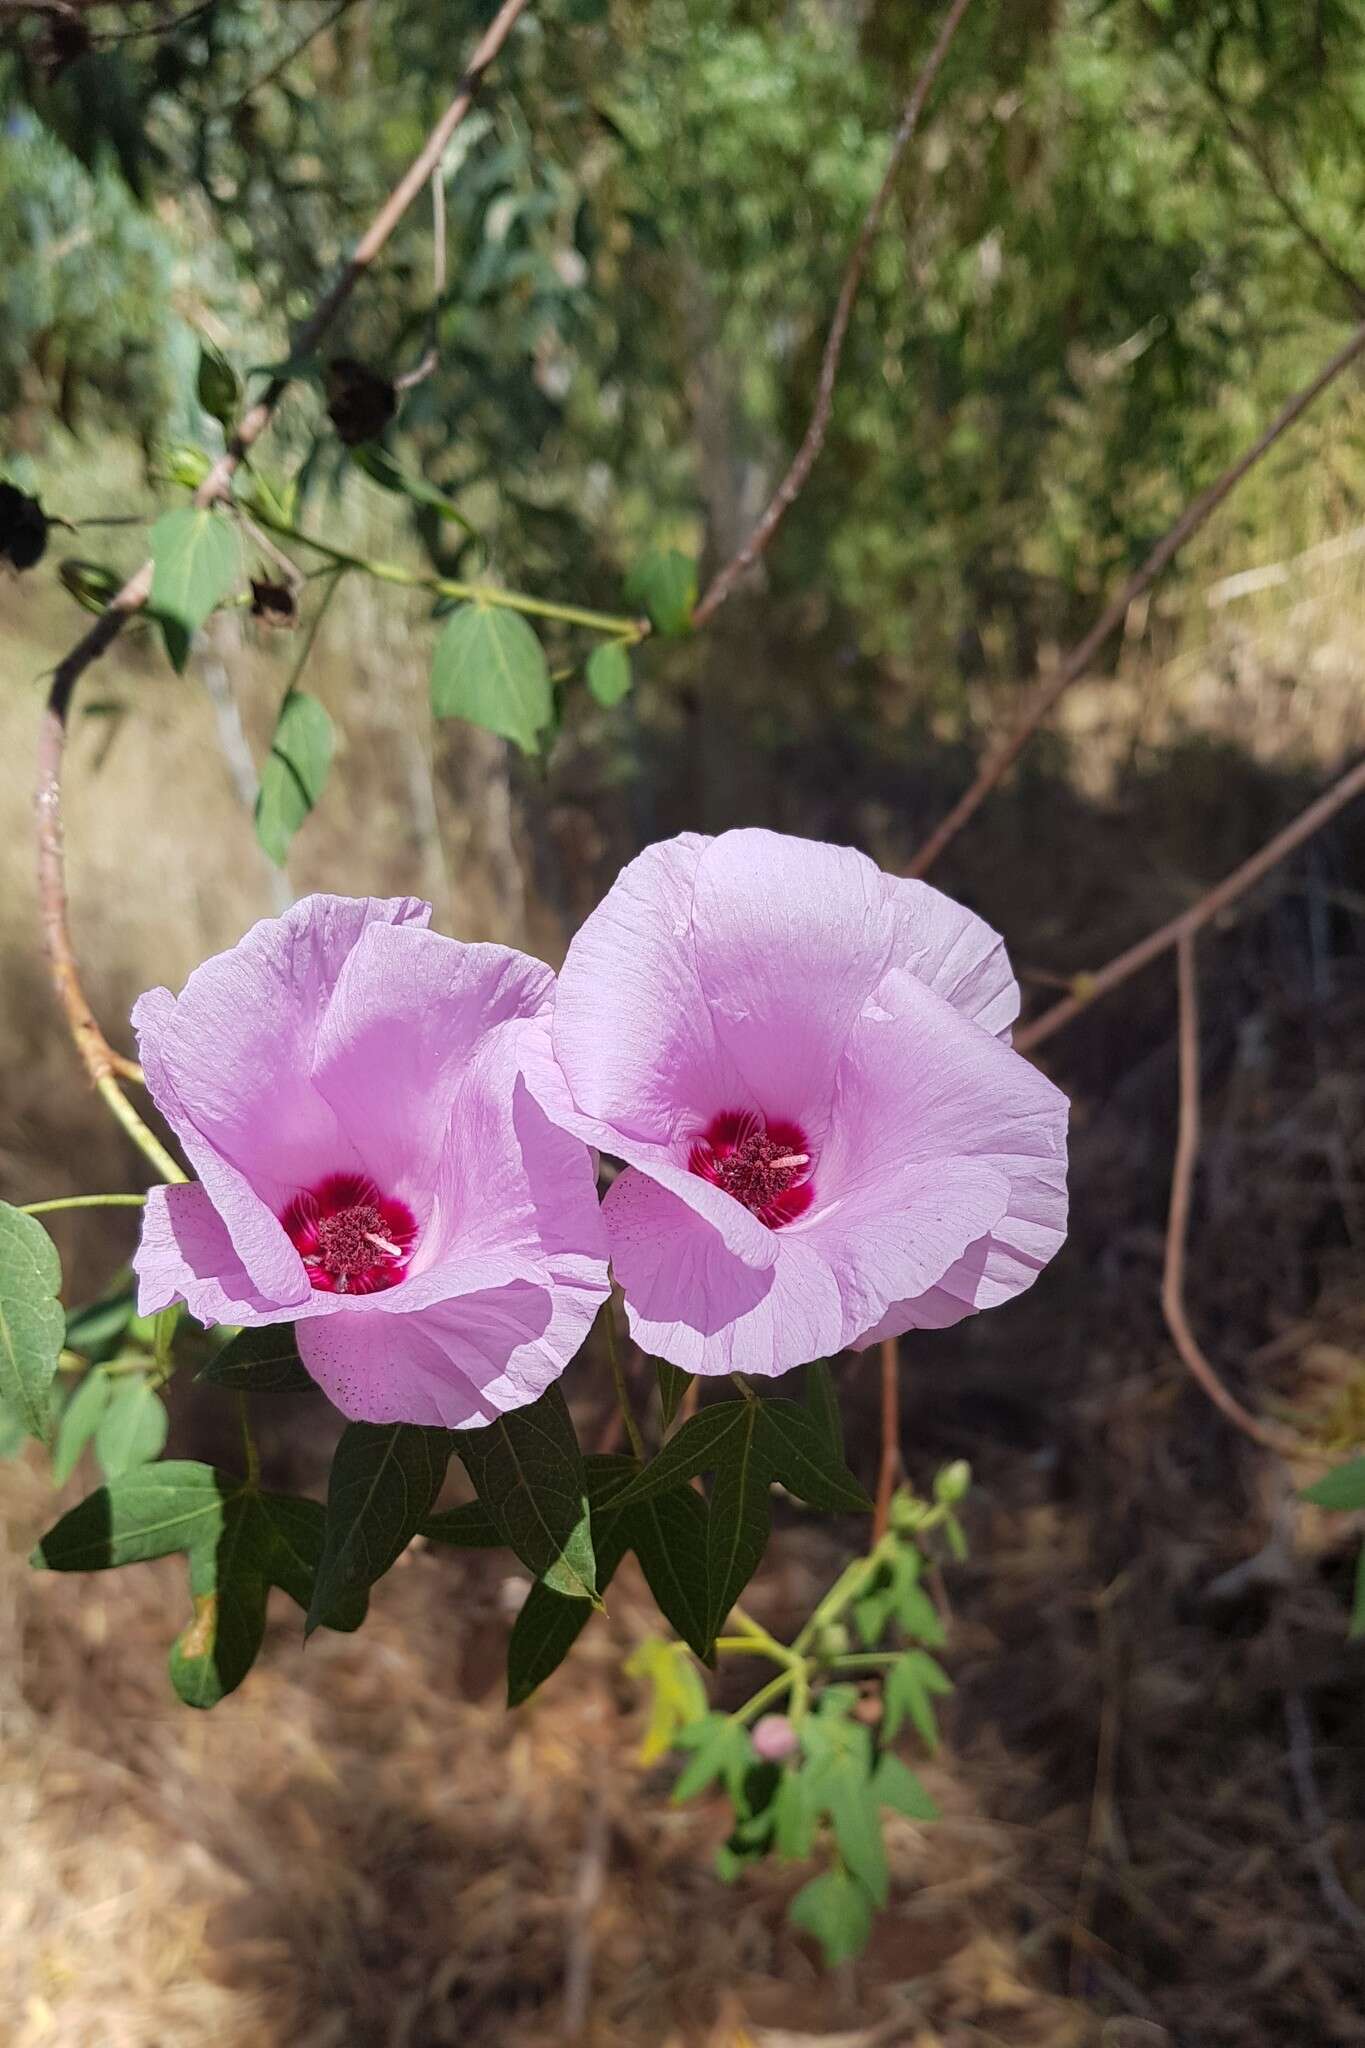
(632, 1033)
(228, 1063)
(792, 937)
(408, 1012)
(690, 1300)
(185, 1254)
(954, 952)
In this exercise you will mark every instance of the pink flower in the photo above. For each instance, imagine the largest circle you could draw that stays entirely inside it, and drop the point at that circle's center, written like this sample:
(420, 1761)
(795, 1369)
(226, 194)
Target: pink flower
(363, 1102)
(805, 1065)
(775, 1739)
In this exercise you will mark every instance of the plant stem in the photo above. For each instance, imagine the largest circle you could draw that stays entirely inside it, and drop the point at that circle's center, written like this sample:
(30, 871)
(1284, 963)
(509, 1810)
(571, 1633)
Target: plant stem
(870, 1661)
(755, 1640)
(766, 1694)
(83, 1202)
(249, 1451)
(637, 1442)
(614, 624)
(146, 1140)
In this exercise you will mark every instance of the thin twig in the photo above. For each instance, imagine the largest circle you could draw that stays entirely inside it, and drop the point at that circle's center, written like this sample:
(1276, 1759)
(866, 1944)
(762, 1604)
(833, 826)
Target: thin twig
(100, 1059)
(295, 50)
(1267, 1434)
(1091, 986)
(888, 1470)
(804, 460)
(422, 370)
(1002, 758)
(1334, 1892)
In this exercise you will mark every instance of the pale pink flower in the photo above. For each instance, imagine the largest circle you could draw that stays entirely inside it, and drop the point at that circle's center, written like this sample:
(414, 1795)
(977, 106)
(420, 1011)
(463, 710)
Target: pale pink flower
(363, 1103)
(805, 1064)
(775, 1739)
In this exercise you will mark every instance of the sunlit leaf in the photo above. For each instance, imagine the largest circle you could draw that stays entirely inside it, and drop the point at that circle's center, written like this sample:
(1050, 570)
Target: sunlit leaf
(196, 564)
(32, 1325)
(295, 772)
(490, 668)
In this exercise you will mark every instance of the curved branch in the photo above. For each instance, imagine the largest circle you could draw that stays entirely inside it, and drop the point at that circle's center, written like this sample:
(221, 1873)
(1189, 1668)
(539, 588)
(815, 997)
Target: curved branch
(1267, 1434)
(101, 1061)
(1002, 758)
(804, 460)
(1091, 986)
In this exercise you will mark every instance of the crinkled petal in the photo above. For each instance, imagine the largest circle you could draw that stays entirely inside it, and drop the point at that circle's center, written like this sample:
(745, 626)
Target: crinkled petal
(632, 1033)
(185, 1254)
(954, 952)
(251, 1227)
(690, 1300)
(409, 1010)
(228, 1063)
(792, 938)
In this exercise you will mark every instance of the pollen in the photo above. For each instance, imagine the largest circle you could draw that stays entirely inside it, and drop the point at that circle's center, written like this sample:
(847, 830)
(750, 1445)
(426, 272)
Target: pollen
(766, 1166)
(352, 1239)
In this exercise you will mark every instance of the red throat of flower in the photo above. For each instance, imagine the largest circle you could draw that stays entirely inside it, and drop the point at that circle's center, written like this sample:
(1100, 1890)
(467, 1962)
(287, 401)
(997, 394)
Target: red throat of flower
(767, 1166)
(352, 1239)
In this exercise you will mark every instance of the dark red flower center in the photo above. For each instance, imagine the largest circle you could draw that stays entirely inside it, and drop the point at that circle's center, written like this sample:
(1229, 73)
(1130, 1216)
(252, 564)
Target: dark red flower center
(767, 1166)
(352, 1239)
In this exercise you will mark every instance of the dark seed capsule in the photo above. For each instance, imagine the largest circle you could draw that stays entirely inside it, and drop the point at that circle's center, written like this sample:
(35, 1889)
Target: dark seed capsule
(360, 403)
(274, 604)
(23, 528)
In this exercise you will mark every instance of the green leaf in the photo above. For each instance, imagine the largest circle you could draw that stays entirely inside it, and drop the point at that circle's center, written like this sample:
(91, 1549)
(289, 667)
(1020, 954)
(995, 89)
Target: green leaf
(385, 1477)
(95, 1329)
(379, 466)
(799, 1454)
(822, 1406)
(741, 1516)
(609, 675)
(196, 563)
(490, 668)
(1343, 1488)
(259, 1362)
(669, 1536)
(857, 1822)
(673, 1384)
(152, 1511)
(918, 1615)
(295, 772)
(911, 1684)
(132, 1429)
(721, 1749)
(13, 1435)
(80, 1418)
(32, 1325)
(699, 1446)
(217, 384)
(677, 1698)
(837, 1911)
(527, 1470)
(664, 582)
(549, 1624)
(469, 1527)
(797, 1811)
(895, 1786)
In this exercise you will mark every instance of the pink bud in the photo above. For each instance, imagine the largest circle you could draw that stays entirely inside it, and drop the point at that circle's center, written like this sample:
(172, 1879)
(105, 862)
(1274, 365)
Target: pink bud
(774, 1739)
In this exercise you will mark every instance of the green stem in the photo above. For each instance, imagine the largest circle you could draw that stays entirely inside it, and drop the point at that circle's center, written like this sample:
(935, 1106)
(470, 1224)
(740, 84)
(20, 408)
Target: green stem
(249, 1451)
(611, 623)
(83, 1202)
(146, 1140)
(859, 1662)
(845, 1590)
(757, 1640)
(637, 1442)
(764, 1697)
(163, 1337)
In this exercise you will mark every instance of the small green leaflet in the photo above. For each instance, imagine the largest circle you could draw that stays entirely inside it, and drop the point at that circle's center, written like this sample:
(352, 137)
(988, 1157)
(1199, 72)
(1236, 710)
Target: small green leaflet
(912, 1683)
(385, 1477)
(218, 386)
(294, 774)
(837, 1911)
(527, 1471)
(379, 466)
(238, 1543)
(673, 1384)
(896, 1786)
(260, 1362)
(677, 1696)
(741, 1518)
(721, 1749)
(132, 1429)
(490, 668)
(665, 583)
(1342, 1488)
(32, 1323)
(196, 564)
(609, 674)
(80, 1419)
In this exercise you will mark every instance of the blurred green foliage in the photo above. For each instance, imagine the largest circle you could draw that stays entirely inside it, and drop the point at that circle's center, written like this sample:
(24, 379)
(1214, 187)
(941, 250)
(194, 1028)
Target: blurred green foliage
(1097, 276)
